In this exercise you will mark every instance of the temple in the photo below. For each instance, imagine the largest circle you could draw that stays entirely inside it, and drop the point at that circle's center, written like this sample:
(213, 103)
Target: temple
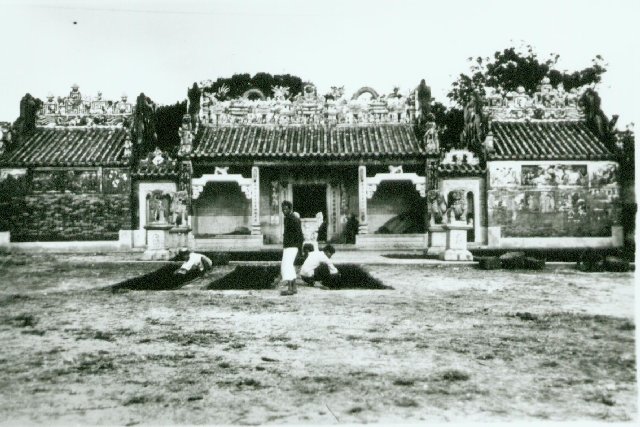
(357, 169)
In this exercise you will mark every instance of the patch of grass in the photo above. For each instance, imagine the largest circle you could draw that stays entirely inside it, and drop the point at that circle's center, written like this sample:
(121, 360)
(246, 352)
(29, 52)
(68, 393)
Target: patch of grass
(12, 299)
(627, 326)
(292, 346)
(600, 397)
(405, 402)
(23, 320)
(249, 382)
(142, 399)
(452, 375)
(38, 332)
(404, 382)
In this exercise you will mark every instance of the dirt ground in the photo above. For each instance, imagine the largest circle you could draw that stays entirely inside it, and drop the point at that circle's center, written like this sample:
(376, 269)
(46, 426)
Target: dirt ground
(449, 343)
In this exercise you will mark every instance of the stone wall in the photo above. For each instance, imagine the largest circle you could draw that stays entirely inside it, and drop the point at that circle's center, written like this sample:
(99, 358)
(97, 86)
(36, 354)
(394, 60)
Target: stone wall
(67, 217)
(553, 198)
(59, 204)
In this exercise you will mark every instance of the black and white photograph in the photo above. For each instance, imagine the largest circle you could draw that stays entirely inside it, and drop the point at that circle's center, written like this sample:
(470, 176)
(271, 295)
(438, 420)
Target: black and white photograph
(313, 212)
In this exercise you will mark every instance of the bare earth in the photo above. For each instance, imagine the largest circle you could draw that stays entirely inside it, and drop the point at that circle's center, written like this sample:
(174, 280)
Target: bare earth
(449, 343)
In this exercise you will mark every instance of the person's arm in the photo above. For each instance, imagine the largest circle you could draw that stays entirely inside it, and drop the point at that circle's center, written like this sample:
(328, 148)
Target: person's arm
(206, 262)
(326, 260)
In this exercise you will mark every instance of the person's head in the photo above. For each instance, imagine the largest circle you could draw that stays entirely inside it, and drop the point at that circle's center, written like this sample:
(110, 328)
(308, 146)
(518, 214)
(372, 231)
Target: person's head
(183, 253)
(329, 251)
(287, 207)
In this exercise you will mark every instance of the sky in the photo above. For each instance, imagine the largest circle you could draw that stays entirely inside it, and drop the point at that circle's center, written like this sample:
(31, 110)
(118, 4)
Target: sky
(161, 47)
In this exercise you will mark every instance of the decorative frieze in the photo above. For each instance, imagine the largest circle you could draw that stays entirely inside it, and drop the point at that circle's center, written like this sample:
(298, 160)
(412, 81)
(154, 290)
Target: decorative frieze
(307, 108)
(548, 103)
(76, 110)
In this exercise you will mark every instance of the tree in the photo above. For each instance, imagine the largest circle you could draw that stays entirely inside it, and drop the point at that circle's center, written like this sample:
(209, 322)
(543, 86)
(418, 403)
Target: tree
(29, 107)
(168, 122)
(506, 71)
(513, 67)
(238, 84)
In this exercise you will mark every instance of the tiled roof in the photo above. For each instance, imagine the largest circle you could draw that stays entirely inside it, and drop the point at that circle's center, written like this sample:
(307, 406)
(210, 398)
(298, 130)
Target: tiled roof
(305, 142)
(69, 146)
(460, 169)
(567, 140)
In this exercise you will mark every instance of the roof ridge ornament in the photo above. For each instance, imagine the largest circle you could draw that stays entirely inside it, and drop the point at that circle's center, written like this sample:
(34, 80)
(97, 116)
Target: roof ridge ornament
(309, 108)
(76, 110)
(547, 103)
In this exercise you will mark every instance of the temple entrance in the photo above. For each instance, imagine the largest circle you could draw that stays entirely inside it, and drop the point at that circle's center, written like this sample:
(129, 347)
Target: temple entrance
(308, 200)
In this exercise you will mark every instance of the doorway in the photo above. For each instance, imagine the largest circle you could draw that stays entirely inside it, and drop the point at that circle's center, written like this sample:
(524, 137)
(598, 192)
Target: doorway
(308, 200)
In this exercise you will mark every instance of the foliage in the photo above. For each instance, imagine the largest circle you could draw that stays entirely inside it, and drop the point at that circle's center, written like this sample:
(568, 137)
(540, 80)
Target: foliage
(450, 122)
(597, 121)
(513, 67)
(627, 151)
(29, 107)
(424, 106)
(144, 124)
(169, 120)
(236, 85)
(194, 102)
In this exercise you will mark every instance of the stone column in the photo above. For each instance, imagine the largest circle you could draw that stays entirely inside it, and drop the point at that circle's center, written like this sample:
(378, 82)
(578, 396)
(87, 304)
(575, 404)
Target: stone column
(363, 228)
(255, 200)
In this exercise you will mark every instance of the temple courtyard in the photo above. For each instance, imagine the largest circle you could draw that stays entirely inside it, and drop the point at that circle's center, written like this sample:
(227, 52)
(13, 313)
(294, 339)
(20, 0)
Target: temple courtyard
(449, 342)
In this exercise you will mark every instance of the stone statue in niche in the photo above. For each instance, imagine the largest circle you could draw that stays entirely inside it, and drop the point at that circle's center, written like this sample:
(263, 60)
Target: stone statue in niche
(158, 204)
(179, 208)
(437, 207)
(457, 207)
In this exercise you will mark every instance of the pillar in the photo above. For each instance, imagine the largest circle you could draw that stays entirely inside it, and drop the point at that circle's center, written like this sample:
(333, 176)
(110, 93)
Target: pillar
(255, 200)
(363, 228)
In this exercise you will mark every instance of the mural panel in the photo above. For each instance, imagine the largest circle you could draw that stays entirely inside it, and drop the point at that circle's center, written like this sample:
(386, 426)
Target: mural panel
(555, 200)
(74, 181)
(553, 175)
(115, 181)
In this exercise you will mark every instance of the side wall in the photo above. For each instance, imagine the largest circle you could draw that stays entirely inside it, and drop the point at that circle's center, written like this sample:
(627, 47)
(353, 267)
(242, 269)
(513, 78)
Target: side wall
(564, 203)
(66, 204)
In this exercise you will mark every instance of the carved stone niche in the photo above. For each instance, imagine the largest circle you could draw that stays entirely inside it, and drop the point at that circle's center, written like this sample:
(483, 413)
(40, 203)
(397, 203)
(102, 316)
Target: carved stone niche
(158, 238)
(179, 209)
(158, 203)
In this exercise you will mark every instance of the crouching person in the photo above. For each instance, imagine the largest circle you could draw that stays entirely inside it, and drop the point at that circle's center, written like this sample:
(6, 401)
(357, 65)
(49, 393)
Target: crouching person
(194, 262)
(318, 270)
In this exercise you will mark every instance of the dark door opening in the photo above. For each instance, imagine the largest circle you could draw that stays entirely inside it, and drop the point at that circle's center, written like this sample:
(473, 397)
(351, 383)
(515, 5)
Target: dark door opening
(309, 199)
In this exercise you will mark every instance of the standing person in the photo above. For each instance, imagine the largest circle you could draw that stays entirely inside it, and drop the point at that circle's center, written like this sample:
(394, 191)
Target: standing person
(292, 243)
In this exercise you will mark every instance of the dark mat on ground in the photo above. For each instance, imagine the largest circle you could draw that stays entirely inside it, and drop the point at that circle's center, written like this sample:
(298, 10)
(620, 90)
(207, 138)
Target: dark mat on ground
(264, 277)
(550, 255)
(162, 279)
(247, 277)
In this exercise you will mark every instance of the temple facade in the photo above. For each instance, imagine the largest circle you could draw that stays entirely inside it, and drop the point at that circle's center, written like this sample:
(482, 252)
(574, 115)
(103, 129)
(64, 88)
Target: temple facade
(355, 168)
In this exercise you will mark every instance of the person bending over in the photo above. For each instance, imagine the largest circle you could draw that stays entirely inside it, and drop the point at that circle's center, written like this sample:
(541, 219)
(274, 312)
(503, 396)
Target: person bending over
(194, 262)
(318, 270)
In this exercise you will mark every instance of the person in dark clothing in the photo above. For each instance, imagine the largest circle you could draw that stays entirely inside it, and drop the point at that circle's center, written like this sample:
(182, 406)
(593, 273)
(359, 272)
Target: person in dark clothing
(292, 243)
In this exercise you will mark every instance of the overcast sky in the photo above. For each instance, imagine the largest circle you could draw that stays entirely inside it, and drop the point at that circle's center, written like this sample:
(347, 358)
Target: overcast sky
(162, 47)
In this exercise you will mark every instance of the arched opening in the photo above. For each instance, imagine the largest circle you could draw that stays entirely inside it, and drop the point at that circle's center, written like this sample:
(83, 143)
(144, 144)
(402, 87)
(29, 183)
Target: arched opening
(253, 94)
(363, 90)
(396, 208)
(222, 209)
